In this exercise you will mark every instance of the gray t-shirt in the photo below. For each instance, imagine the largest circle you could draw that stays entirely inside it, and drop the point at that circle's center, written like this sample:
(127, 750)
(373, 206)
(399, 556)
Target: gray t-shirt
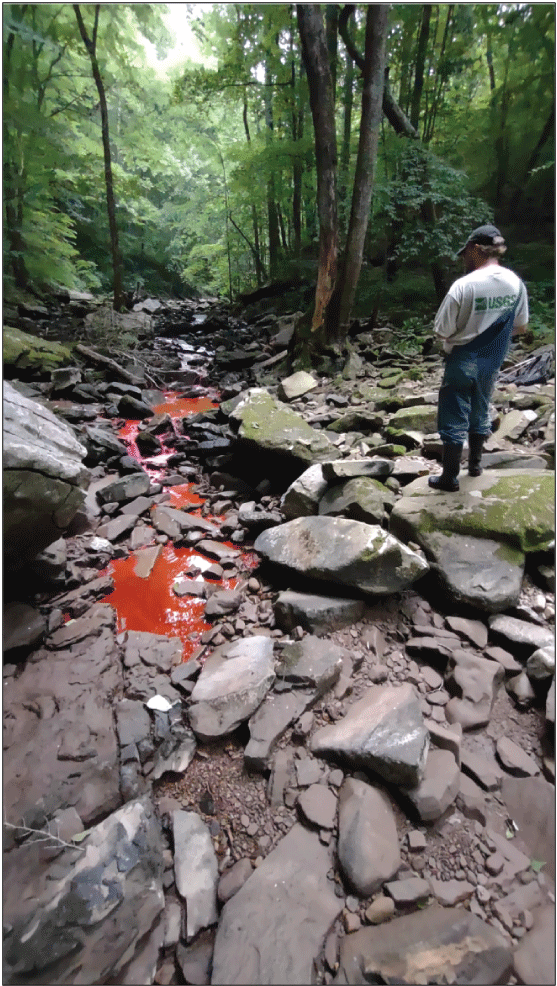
(475, 301)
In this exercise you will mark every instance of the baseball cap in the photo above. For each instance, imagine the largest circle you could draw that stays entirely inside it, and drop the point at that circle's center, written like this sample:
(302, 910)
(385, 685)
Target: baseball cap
(484, 236)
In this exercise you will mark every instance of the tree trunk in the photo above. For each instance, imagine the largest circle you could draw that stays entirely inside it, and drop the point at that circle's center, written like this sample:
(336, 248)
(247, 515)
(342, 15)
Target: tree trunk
(260, 273)
(91, 46)
(420, 64)
(372, 102)
(272, 218)
(14, 176)
(331, 28)
(544, 136)
(316, 61)
(344, 171)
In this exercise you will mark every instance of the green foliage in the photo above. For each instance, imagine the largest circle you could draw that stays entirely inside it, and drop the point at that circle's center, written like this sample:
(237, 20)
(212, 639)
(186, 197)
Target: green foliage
(541, 298)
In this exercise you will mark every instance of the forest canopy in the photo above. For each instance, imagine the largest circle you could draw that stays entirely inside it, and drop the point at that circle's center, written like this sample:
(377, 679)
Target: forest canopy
(212, 164)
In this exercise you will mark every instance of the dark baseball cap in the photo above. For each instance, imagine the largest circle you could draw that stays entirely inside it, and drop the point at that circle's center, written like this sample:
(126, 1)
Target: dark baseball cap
(484, 236)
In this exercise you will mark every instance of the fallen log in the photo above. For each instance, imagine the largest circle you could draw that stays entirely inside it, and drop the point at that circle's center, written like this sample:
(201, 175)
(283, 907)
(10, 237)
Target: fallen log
(110, 364)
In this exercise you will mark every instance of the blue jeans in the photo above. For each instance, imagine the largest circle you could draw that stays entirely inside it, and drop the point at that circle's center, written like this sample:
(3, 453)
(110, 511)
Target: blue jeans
(469, 380)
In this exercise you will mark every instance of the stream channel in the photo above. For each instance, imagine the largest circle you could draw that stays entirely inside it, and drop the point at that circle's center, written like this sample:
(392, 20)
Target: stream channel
(154, 603)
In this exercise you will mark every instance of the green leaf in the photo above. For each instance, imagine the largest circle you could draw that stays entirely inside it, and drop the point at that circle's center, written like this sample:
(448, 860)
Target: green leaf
(536, 865)
(80, 836)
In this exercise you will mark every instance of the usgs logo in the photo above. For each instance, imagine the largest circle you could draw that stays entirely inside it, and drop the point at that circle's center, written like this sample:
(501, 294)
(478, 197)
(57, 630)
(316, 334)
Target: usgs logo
(489, 304)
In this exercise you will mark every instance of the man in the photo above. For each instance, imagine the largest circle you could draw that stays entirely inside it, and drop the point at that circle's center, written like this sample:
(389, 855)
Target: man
(476, 320)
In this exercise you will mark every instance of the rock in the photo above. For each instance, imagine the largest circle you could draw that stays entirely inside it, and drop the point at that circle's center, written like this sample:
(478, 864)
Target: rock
(474, 630)
(446, 738)
(195, 869)
(232, 684)
(550, 704)
(439, 786)
(534, 956)
(311, 663)
(126, 489)
(359, 498)
(512, 426)
(380, 910)
(318, 806)
(348, 552)
(474, 683)
(296, 385)
(233, 879)
(175, 523)
(373, 467)
(24, 351)
(482, 573)
(450, 892)
(195, 959)
(541, 664)
(131, 407)
(91, 918)
(317, 614)
(23, 625)
(43, 477)
(383, 731)
(418, 418)
(484, 772)
(515, 760)
(70, 691)
(471, 800)
(521, 690)
(308, 771)
(222, 602)
(531, 804)
(412, 890)
(50, 564)
(271, 427)
(521, 637)
(431, 945)
(503, 657)
(275, 925)
(368, 849)
(302, 497)
(114, 529)
(280, 777)
(148, 660)
(356, 420)
(270, 721)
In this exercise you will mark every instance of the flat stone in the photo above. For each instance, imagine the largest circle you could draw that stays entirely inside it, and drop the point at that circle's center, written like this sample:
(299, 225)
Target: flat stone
(311, 663)
(412, 890)
(114, 529)
(446, 738)
(317, 614)
(23, 626)
(233, 879)
(296, 385)
(318, 806)
(515, 760)
(534, 956)
(432, 945)
(145, 560)
(439, 786)
(541, 664)
(380, 910)
(383, 731)
(451, 892)
(270, 721)
(308, 771)
(523, 638)
(484, 772)
(473, 630)
(368, 848)
(302, 497)
(275, 925)
(530, 803)
(473, 682)
(371, 467)
(232, 684)
(506, 660)
(195, 869)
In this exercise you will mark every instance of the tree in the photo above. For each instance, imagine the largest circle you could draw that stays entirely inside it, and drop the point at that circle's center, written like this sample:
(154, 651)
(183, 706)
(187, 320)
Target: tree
(90, 43)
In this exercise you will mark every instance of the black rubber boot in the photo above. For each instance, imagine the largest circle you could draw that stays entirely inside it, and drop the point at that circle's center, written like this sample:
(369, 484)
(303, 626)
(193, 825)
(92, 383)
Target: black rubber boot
(475, 444)
(448, 481)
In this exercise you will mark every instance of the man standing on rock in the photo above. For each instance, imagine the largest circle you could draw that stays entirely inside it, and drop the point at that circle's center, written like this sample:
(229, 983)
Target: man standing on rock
(476, 320)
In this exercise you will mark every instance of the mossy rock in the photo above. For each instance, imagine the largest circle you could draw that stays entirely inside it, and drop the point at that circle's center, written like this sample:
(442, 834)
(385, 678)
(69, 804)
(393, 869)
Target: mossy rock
(22, 351)
(422, 417)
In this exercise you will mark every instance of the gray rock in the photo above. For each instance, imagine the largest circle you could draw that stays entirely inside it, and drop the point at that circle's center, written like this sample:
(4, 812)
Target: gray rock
(474, 630)
(439, 786)
(333, 549)
(520, 637)
(123, 490)
(50, 564)
(418, 418)
(550, 704)
(296, 385)
(43, 477)
(317, 614)
(311, 663)
(474, 683)
(450, 892)
(477, 572)
(280, 777)
(23, 626)
(233, 879)
(232, 684)
(318, 806)
(90, 919)
(270, 721)
(514, 759)
(530, 802)
(273, 928)
(541, 664)
(195, 959)
(411, 890)
(534, 956)
(196, 870)
(114, 529)
(484, 772)
(368, 848)
(221, 602)
(432, 944)
(302, 497)
(360, 498)
(372, 466)
(383, 731)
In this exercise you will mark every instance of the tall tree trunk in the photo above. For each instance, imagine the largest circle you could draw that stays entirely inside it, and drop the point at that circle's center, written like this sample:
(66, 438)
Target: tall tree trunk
(440, 82)
(331, 30)
(489, 59)
(259, 267)
(420, 64)
(91, 47)
(549, 125)
(316, 61)
(272, 218)
(13, 172)
(297, 130)
(344, 170)
(338, 317)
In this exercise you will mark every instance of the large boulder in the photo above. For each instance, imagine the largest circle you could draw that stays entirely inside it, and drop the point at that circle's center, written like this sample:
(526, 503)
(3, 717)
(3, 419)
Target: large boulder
(268, 426)
(476, 540)
(368, 849)
(274, 927)
(44, 477)
(346, 552)
(383, 731)
(28, 353)
(94, 909)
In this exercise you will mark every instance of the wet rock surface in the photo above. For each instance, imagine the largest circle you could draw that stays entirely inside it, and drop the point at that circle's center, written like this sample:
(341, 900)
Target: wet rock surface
(296, 801)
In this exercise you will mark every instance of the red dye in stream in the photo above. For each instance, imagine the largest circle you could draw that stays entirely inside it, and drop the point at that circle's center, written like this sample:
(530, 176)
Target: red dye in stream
(150, 604)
